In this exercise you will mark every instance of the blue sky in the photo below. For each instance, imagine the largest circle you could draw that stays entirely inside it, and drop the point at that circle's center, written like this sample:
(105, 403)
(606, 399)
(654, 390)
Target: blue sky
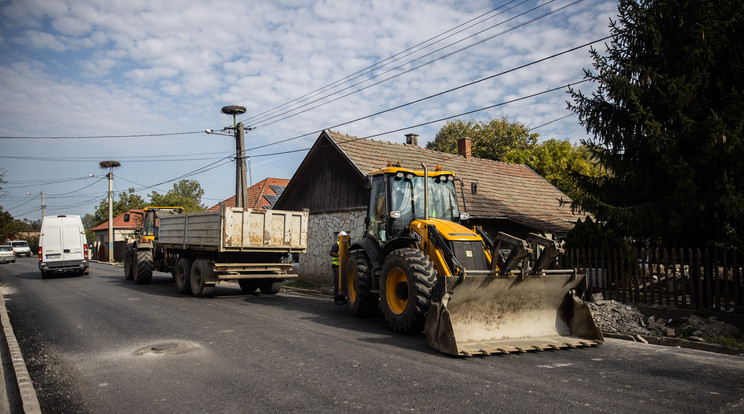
(73, 73)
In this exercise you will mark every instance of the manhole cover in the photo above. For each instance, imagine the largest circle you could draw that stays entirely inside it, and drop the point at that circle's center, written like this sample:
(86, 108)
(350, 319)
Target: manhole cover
(167, 348)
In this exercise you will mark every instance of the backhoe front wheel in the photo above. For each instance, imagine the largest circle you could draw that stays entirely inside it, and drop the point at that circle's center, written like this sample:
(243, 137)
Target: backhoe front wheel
(362, 302)
(407, 279)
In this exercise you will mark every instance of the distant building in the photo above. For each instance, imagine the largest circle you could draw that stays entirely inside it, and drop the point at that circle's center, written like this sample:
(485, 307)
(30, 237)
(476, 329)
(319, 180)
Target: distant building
(122, 231)
(261, 195)
(330, 183)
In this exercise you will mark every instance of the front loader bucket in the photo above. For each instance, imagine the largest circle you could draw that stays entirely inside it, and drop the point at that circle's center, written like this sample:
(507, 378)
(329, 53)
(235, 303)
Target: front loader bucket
(513, 313)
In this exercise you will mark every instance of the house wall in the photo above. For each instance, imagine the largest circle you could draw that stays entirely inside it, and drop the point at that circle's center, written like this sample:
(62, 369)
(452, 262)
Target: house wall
(323, 228)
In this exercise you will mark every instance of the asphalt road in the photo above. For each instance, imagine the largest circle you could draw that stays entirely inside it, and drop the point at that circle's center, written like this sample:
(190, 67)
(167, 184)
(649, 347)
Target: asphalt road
(99, 343)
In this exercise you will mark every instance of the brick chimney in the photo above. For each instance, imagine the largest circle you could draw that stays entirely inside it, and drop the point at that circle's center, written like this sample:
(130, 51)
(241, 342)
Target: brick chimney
(463, 147)
(412, 139)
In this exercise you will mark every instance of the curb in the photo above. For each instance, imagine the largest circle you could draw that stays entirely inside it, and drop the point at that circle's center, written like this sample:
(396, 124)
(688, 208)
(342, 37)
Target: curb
(29, 400)
(678, 343)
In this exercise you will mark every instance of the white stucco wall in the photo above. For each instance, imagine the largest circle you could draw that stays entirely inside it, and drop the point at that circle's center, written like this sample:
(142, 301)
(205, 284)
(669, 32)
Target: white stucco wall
(315, 265)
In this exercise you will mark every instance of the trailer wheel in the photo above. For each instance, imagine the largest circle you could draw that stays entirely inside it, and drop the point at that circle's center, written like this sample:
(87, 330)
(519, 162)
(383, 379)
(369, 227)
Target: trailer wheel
(182, 274)
(248, 286)
(362, 302)
(128, 266)
(144, 267)
(270, 287)
(201, 271)
(407, 279)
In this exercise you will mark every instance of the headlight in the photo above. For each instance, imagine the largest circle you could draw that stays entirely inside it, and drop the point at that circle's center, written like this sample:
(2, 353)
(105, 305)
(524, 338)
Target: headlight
(395, 214)
(399, 174)
(464, 216)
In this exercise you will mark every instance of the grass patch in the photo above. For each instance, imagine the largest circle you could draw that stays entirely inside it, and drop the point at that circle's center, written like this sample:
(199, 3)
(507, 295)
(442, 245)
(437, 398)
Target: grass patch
(302, 284)
(733, 341)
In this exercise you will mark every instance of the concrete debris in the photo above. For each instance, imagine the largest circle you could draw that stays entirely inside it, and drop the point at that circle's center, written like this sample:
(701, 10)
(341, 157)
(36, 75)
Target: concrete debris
(618, 318)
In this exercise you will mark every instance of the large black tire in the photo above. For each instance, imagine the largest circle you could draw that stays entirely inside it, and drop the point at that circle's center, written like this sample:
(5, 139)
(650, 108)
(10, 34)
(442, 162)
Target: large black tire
(201, 272)
(362, 302)
(270, 286)
(248, 286)
(182, 274)
(407, 279)
(128, 266)
(143, 267)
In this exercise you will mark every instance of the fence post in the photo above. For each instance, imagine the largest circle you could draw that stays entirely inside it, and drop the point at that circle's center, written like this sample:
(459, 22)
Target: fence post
(736, 277)
(675, 294)
(726, 291)
(636, 281)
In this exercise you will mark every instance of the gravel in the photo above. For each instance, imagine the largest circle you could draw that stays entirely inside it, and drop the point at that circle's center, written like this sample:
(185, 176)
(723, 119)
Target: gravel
(617, 318)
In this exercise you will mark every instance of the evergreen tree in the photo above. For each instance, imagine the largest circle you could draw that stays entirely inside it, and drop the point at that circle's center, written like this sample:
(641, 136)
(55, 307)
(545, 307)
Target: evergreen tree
(667, 119)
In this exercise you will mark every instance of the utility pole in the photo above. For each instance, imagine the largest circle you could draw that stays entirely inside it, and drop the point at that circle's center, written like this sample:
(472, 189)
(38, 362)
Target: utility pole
(241, 185)
(110, 165)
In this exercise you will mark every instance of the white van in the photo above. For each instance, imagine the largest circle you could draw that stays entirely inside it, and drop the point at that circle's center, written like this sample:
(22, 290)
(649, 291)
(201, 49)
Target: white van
(20, 247)
(62, 245)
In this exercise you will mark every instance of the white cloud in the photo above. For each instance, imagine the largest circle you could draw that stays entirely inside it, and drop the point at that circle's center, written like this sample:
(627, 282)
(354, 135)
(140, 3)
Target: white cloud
(141, 66)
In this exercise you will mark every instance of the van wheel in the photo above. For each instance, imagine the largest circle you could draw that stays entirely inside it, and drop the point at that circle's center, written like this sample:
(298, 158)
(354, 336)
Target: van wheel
(44, 274)
(144, 267)
(182, 274)
(201, 272)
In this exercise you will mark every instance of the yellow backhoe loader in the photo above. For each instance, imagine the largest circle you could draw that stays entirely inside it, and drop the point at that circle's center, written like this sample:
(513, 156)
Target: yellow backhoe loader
(471, 294)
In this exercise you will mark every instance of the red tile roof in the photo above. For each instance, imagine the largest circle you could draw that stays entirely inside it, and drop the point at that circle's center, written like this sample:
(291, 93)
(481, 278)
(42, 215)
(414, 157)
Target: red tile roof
(119, 222)
(260, 195)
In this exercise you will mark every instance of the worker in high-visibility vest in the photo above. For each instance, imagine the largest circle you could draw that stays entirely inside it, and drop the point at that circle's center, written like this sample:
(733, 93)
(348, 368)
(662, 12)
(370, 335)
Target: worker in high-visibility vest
(337, 299)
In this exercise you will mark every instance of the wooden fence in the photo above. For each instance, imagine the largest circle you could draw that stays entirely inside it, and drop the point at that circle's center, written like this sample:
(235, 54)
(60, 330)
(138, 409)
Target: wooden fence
(677, 278)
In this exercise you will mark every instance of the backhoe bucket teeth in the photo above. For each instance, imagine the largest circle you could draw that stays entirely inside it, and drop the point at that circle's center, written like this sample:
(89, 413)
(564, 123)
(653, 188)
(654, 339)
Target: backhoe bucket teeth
(494, 314)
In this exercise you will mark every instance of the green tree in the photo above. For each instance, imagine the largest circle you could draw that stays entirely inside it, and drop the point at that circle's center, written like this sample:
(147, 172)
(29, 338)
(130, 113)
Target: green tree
(185, 193)
(9, 226)
(558, 162)
(667, 119)
(127, 201)
(490, 140)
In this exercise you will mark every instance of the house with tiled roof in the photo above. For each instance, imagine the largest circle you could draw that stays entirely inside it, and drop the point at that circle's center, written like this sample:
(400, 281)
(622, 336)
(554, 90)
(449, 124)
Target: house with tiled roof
(122, 231)
(261, 195)
(330, 182)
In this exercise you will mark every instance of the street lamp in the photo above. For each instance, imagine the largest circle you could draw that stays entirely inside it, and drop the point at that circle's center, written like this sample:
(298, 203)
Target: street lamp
(241, 185)
(43, 205)
(110, 165)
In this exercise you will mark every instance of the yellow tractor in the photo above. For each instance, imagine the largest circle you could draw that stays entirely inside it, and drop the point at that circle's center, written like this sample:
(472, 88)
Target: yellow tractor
(471, 294)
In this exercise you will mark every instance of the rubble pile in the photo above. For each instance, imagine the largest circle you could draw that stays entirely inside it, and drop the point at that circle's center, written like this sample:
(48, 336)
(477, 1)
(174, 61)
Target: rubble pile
(617, 318)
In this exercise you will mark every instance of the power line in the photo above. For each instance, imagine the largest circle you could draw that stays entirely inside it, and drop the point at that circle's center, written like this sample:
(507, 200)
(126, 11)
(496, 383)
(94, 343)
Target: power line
(436, 94)
(389, 60)
(289, 114)
(437, 120)
(104, 136)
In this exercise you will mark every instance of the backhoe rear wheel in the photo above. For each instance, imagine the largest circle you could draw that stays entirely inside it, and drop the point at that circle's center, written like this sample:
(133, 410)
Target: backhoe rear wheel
(143, 267)
(407, 279)
(362, 302)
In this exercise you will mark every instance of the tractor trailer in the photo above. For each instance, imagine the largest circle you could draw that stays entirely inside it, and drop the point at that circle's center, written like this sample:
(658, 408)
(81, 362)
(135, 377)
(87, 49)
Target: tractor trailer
(251, 246)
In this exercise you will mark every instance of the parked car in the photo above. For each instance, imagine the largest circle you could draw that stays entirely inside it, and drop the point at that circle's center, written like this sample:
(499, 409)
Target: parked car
(7, 254)
(62, 245)
(20, 247)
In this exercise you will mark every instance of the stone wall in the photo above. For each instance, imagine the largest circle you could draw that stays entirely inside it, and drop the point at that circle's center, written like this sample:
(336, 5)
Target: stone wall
(315, 265)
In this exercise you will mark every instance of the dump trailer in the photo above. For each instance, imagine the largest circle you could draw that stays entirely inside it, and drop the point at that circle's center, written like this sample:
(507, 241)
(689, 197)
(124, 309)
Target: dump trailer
(254, 247)
(472, 294)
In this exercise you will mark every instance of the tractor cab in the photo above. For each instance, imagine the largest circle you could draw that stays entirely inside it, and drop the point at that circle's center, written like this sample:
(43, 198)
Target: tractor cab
(397, 197)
